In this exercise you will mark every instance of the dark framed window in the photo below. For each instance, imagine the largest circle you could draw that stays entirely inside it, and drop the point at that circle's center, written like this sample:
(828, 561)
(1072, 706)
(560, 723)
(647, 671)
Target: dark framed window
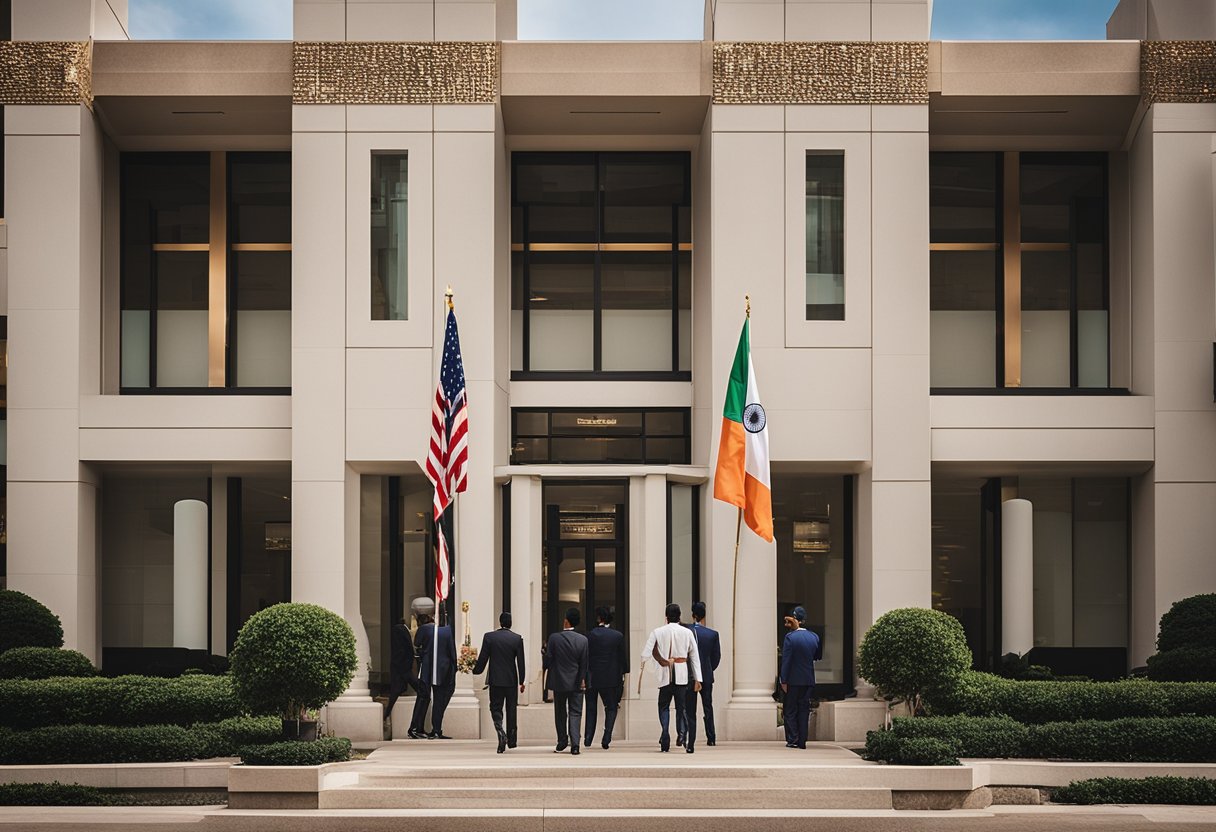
(205, 292)
(506, 547)
(583, 436)
(1019, 273)
(601, 248)
(825, 235)
(683, 545)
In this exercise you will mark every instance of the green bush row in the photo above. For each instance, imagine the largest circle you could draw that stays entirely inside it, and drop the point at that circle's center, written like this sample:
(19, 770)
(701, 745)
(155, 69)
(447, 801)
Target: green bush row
(1184, 664)
(25, 622)
(124, 700)
(43, 663)
(1147, 739)
(57, 744)
(1179, 791)
(298, 753)
(888, 747)
(983, 694)
(55, 794)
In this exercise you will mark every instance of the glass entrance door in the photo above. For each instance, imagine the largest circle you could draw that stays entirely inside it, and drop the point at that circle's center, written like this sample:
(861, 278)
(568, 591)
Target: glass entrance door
(585, 558)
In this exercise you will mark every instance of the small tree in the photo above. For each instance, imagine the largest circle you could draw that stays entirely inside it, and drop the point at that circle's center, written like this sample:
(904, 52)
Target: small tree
(290, 658)
(1186, 643)
(24, 622)
(909, 652)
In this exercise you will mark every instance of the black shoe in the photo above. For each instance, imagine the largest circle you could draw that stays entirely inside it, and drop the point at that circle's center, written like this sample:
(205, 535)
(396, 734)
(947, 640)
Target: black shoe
(511, 744)
(688, 749)
(574, 751)
(790, 745)
(415, 735)
(604, 745)
(435, 735)
(502, 742)
(711, 742)
(679, 739)
(560, 748)
(587, 743)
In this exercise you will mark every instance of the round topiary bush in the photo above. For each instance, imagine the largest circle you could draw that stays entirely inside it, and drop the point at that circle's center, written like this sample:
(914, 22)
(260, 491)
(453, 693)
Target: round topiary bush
(1184, 664)
(292, 657)
(909, 652)
(26, 623)
(1186, 643)
(43, 663)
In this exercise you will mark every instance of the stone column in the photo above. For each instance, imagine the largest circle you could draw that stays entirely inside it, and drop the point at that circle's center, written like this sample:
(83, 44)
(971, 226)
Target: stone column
(1017, 576)
(647, 597)
(526, 531)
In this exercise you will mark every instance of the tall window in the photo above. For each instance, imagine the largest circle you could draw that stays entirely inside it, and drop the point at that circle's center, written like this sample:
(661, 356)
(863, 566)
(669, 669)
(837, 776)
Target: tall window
(824, 235)
(206, 272)
(390, 236)
(683, 546)
(601, 265)
(1019, 288)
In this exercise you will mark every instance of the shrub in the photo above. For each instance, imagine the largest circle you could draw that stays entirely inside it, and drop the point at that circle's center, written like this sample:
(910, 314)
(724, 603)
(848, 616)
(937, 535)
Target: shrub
(43, 663)
(1190, 622)
(227, 737)
(54, 794)
(1152, 740)
(135, 744)
(1180, 791)
(1194, 663)
(910, 751)
(997, 736)
(298, 753)
(26, 623)
(983, 694)
(909, 652)
(124, 700)
(292, 657)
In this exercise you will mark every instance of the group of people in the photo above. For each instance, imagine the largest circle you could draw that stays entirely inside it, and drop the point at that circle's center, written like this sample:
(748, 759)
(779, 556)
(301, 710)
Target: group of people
(590, 668)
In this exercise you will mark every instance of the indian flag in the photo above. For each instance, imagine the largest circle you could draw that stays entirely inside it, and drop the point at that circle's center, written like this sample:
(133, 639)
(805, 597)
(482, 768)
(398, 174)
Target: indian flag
(742, 475)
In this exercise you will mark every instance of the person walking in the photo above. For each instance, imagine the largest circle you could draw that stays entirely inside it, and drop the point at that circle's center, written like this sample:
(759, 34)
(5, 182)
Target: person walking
(503, 651)
(437, 678)
(401, 675)
(798, 677)
(566, 661)
(606, 663)
(709, 647)
(674, 651)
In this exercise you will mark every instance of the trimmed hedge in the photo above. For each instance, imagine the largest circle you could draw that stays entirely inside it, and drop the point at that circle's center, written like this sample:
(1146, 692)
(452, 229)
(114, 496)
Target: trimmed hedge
(43, 663)
(1149, 740)
(134, 744)
(1194, 663)
(1179, 791)
(983, 694)
(124, 700)
(908, 652)
(55, 794)
(887, 747)
(1190, 622)
(298, 753)
(25, 622)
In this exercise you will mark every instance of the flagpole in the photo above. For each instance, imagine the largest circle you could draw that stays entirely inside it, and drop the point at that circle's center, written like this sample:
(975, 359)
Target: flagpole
(734, 606)
(439, 602)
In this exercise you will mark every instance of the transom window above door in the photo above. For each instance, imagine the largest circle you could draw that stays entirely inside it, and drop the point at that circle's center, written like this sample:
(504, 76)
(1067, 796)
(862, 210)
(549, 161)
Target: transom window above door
(601, 266)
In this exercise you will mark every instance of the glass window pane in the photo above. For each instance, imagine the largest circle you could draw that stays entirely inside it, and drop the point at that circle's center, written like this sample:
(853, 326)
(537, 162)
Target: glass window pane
(642, 197)
(166, 198)
(559, 196)
(825, 236)
(597, 422)
(259, 197)
(600, 449)
(685, 266)
(962, 318)
(181, 318)
(681, 552)
(1046, 293)
(1053, 559)
(530, 451)
(1100, 563)
(562, 316)
(390, 236)
(957, 545)
(517, 310)
(262, 312)
(265, 555)
(666, 451)
(531, 423)
(637, 311)
(963, 197)
(666, 423)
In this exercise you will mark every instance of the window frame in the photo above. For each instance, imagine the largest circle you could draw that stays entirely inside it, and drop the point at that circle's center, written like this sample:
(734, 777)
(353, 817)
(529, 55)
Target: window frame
(641, 437)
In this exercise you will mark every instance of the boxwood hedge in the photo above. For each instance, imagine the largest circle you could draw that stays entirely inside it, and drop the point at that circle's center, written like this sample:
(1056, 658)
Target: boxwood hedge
(123, 700)
(43, 663)
(298, 753)
(1179, 791)
(134, 744)
(55, 794)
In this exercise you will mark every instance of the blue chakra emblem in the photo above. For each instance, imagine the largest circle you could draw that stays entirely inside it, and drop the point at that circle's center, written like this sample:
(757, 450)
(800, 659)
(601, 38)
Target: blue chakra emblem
(753, 418)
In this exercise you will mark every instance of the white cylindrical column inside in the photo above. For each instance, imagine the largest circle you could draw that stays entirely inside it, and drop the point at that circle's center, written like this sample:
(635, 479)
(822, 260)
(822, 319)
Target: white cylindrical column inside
(1017, 576)
(190, 574)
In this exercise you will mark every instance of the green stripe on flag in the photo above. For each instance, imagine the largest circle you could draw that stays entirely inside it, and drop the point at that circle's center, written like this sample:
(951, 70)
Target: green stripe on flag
(736, 390)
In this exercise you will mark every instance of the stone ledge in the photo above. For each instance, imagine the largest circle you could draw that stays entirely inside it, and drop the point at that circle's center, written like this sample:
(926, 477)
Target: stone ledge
(192, 774)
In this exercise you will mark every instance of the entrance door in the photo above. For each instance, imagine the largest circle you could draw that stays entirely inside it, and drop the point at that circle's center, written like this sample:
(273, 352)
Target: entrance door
(585, 557)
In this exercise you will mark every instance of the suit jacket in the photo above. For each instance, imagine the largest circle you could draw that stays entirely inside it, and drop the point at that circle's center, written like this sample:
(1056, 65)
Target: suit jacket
(798, 657)
(566, 660)
(710, 649)
(424, 641)
(503, 651)
(401, 659)
(606, 659)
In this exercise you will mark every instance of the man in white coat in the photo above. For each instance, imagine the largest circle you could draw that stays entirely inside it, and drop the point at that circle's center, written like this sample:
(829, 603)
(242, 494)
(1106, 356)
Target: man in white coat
(673, 648)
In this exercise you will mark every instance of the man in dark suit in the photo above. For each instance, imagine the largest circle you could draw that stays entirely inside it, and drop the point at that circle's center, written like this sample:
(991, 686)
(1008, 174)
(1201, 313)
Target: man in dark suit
(566, 661)
(401, 675)
(443, 683)
(503, 650)
(606, 662)
(710, 649)
(798, 677)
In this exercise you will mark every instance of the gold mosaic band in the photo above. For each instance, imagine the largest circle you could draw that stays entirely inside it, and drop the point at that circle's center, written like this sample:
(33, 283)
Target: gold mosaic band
(1178, 71)
(442, 72)
(796, 72)
(46, 72)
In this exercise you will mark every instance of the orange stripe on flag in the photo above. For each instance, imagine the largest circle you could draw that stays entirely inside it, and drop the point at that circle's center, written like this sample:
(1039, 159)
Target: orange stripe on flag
(758, 514)
(728, 478)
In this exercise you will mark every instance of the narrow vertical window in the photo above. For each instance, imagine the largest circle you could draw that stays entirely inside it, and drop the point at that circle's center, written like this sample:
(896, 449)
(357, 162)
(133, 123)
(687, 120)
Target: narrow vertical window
(825, 236)
(683, 548)
(390, 236)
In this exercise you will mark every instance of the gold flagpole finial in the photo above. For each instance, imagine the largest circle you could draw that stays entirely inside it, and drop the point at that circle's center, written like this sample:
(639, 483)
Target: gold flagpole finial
(448, 295)
(747, 302)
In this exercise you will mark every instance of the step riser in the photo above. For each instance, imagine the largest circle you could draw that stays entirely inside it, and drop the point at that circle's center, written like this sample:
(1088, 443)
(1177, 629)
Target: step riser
(618, 799)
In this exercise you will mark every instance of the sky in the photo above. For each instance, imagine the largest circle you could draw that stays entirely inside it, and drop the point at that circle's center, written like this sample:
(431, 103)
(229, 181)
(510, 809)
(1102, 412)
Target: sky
(626, 19)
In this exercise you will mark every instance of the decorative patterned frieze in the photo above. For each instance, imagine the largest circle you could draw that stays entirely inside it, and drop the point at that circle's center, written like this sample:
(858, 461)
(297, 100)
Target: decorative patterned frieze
(443, 72)
(1178, 71)
(46, 72)
(796, 72)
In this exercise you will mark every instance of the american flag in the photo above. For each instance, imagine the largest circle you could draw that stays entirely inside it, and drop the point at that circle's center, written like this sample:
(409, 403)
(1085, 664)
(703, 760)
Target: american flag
(447, 462)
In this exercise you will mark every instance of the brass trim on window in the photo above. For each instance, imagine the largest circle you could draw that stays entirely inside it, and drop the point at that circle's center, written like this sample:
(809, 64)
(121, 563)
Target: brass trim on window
(261, 246)
(181, 246)
(1045, 246)
(217, 273)
(964, 246)
(600, 247)
(1013, 269)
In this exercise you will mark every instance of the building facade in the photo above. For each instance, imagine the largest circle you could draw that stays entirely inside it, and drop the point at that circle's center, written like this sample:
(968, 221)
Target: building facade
(983, 317)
